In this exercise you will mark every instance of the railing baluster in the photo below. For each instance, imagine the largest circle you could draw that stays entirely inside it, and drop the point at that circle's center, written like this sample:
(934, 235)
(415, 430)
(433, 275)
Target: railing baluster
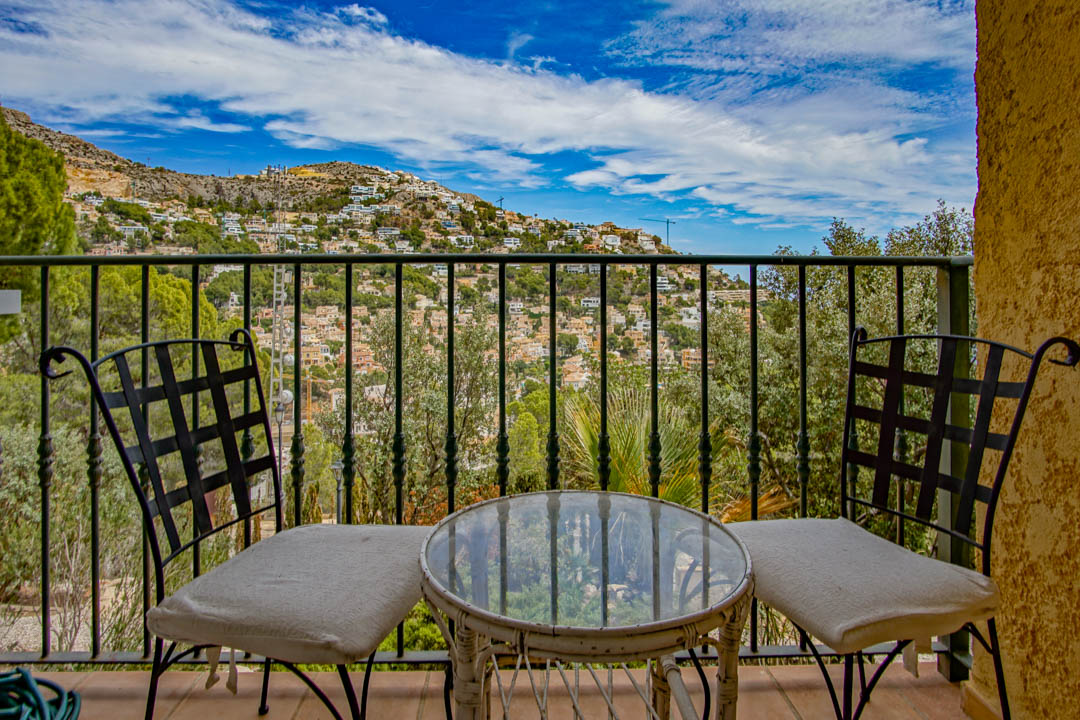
(297, 449)
(853, 442)
(901, 449)
(603, 446)
(654, 398)
(502, 447)
(196, 557)
(144, 478)
(399, 435)
(451, 437)
(553, 414)
(247, 441)
(348, 447)
(802, 447)
(954, 318)
(94, 472)
(753, 465)
(754, 445)
(705, 442)
(803, 444)
(398, 470)
(46, 458)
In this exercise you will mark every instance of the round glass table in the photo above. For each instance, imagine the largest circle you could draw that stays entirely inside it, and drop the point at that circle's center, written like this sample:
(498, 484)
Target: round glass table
(591, 577)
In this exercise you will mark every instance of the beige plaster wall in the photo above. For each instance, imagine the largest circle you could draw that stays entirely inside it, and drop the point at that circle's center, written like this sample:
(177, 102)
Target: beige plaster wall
(1027, 287)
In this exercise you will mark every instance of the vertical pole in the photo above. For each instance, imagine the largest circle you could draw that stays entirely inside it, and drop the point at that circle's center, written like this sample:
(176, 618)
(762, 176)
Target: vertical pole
(46, 457)
(853, 438)
(654, 388)
(399, 435)
(753, 465)
(297, 448)
(94, 472)
(247, 441)
(705, 443)
(144, 476)
(953, 319)
(196, 557)
(348, 448)
(553, 435)
(603, 446)
(900, 450)
(754, 445)
(803, 444)
(451, 437)
(502, 447)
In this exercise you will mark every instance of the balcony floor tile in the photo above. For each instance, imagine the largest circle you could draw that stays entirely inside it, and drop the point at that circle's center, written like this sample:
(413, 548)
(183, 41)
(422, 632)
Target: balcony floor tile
(774, 692)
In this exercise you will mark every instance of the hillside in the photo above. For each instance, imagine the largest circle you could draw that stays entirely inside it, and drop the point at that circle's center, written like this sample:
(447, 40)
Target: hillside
(93, 169)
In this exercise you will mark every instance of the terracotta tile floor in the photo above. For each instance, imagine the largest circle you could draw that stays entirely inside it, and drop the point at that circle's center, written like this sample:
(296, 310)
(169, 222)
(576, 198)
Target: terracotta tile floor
(783, 692)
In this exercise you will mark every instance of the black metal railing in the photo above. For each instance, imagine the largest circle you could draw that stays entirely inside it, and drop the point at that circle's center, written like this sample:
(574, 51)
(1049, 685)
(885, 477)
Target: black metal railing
(953, 306)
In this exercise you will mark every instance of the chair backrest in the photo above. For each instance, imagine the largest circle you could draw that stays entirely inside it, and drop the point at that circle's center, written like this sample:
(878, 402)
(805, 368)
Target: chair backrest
(917, 384)
(147, 435)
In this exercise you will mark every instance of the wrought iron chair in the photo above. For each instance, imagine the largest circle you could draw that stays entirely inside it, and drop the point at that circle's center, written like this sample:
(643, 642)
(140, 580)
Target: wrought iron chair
(853, 589)
(324, 594)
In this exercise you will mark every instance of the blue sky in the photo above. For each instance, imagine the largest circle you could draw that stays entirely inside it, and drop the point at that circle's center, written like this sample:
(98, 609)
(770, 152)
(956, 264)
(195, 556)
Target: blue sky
(751, 123)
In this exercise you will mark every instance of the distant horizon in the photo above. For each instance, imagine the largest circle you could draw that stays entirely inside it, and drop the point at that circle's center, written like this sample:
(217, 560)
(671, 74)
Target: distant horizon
(750, 124)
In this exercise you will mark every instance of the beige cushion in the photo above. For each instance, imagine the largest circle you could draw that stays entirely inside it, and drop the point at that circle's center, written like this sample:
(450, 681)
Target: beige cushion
(313, 594)
(851, 589)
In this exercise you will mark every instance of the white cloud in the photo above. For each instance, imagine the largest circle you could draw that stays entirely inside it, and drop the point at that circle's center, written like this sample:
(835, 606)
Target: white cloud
(329, 80)
(768, 37)
(364, 14)
(517, 41)
(196, 120)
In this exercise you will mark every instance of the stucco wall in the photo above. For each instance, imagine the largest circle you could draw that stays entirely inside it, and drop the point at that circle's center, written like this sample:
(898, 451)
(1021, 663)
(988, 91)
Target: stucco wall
(1027, 287)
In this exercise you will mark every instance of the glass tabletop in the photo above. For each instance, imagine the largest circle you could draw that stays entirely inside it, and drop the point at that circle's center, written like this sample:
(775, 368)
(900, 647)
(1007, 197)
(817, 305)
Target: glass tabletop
(585, 559)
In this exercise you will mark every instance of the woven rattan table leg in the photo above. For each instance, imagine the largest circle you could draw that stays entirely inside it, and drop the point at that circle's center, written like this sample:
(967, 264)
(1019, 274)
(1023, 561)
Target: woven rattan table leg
(661, 691)
(727, 667)
(472, 699)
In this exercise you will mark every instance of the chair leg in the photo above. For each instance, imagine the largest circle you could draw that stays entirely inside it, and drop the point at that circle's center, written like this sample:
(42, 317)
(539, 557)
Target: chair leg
(367, 680)
(263, 707)
(350, 693)
(999, 669)
(155, 673)
(849, 671)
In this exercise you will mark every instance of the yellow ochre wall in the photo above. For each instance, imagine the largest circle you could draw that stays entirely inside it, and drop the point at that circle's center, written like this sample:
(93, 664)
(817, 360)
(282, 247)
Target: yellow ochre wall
(1027, 288)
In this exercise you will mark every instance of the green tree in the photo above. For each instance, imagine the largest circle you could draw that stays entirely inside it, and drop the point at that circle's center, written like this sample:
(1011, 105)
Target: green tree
(526, 457)
(567, 344)
(34, 219)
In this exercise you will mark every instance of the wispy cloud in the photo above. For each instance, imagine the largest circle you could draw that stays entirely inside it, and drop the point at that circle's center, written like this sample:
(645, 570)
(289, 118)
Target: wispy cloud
(772, 37)
(342, 78)
(196, 120)
(517, 41)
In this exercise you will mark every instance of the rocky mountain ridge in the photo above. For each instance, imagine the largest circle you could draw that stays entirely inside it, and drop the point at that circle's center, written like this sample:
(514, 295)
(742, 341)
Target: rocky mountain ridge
(92, 168)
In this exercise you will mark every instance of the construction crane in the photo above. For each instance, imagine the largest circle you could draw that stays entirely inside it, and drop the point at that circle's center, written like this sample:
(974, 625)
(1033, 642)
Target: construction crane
(667, 229)
(500, 202)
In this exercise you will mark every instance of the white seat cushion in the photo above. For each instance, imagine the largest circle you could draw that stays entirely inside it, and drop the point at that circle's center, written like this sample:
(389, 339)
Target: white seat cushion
(852, 589)
(312, 594)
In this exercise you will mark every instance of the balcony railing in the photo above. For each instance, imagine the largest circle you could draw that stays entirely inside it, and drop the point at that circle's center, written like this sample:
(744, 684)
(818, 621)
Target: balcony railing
(953, 312)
